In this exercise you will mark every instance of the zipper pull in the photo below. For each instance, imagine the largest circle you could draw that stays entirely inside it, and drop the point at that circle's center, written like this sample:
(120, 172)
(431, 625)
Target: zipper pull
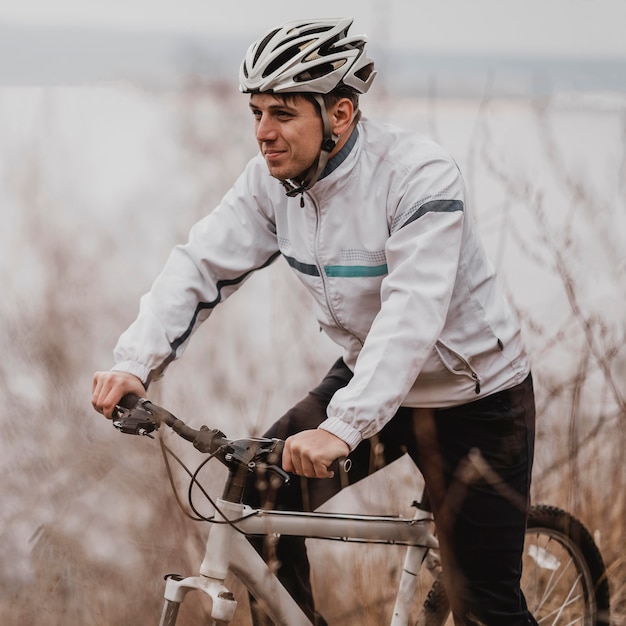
(477, 387)
(302, 201)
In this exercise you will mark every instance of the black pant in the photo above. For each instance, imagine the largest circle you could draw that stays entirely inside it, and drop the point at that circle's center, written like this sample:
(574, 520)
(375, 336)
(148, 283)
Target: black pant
(480, 513)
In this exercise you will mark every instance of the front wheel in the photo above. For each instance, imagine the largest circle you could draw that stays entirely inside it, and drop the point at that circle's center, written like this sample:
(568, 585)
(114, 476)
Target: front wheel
(563, 578)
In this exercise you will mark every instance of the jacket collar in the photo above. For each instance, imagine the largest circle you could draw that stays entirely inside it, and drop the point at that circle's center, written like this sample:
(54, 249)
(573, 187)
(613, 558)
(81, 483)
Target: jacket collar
(341, 156)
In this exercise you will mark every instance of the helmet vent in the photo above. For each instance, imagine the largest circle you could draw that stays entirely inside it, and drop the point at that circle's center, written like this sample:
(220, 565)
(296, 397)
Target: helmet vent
(318, 71)
(262, 45)
(298, 33)
(365, 72)
(285, 57)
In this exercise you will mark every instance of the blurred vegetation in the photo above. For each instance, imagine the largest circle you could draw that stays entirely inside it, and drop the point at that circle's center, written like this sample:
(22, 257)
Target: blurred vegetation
(89, 522)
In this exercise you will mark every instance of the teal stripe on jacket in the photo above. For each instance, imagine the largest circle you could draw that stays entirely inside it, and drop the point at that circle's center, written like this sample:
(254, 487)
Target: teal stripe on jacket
(355, 271)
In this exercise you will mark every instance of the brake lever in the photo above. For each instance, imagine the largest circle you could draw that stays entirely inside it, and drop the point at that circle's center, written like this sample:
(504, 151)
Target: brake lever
(136, 421)
(284, 477)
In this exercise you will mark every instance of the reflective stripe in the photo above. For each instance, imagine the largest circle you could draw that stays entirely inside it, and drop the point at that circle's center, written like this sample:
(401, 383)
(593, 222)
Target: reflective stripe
(304, 268)
(435, 206)
(355, 271)
(338, 271)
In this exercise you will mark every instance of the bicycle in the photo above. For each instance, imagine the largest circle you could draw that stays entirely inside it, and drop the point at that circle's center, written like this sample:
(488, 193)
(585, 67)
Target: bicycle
(564, 578)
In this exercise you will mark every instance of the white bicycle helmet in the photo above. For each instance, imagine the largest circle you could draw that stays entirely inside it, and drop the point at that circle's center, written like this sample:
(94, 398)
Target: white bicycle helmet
(314, 56)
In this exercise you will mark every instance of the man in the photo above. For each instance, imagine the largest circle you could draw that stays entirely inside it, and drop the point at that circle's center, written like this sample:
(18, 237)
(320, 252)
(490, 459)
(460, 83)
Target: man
(374, 221)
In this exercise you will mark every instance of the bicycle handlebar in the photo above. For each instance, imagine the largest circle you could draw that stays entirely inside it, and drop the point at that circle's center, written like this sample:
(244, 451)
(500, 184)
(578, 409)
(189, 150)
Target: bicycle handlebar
(138, 416)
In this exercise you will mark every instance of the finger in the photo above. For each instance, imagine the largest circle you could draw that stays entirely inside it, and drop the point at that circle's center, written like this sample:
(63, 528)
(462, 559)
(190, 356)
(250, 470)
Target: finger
(97, 392)
(103, 382)
(308, 468)
(114, 396)
(286, 461)
(321, 470)
(291, 459)
(105, 398)
(298, 465)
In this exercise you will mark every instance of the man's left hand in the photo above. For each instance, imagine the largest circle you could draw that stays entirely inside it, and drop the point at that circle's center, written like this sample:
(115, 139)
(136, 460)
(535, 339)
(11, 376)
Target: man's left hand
(310, 452)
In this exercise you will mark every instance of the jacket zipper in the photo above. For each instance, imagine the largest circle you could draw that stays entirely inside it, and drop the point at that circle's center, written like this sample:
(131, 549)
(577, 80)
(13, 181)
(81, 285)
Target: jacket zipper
(471, 372)
(320, 269)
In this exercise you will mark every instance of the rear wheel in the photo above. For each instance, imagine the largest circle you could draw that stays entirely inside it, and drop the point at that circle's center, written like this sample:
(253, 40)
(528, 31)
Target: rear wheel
(564, 580)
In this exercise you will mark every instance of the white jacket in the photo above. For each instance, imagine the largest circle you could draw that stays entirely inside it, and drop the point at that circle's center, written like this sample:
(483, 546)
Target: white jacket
(386, 245)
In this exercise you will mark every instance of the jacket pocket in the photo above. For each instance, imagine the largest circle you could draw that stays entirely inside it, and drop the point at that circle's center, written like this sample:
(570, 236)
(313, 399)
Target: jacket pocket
(456, 363)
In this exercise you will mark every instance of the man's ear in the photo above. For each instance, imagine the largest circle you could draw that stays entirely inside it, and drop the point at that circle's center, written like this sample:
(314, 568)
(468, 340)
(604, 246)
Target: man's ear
(341, 116)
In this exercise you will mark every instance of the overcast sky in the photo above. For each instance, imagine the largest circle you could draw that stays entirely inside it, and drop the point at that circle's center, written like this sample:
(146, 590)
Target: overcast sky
(587, 28)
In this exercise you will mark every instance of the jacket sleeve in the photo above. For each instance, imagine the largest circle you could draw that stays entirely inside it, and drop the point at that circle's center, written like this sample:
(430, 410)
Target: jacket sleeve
(224, 248)
(423, 253)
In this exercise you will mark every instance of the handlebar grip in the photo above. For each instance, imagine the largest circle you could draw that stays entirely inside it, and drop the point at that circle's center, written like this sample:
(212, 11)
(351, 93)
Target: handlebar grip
(129, 401)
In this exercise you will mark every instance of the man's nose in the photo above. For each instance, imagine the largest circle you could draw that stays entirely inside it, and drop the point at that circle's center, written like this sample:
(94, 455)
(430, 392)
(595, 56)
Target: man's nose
(265, 129)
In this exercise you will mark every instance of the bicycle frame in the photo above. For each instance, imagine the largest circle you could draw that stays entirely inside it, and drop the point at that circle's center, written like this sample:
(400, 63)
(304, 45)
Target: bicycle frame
(228, 549)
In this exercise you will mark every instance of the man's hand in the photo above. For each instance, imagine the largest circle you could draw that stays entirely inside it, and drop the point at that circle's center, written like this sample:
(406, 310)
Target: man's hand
(310, 452)
(110, 387)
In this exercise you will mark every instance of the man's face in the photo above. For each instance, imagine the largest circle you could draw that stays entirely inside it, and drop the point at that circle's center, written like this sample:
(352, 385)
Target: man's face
(289, 133)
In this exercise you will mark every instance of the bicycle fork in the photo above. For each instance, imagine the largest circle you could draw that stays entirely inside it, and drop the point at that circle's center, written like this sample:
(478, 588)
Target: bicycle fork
(212, 575)
(227, 549)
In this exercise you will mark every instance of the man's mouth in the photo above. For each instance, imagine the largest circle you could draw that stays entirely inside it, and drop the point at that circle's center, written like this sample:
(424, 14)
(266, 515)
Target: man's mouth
(271, 154)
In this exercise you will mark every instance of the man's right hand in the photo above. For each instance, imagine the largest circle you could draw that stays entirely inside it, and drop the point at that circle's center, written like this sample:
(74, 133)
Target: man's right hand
(110, 387)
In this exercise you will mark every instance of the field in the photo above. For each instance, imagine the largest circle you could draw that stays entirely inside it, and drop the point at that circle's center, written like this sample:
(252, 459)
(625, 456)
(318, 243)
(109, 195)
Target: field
(98, 183)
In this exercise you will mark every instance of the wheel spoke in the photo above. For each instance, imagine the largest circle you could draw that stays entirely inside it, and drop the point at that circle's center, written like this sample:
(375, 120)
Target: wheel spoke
(569, 599)
(551, 578)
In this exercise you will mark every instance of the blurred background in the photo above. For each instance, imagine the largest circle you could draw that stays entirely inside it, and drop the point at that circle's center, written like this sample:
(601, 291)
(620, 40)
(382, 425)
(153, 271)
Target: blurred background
(121, 125)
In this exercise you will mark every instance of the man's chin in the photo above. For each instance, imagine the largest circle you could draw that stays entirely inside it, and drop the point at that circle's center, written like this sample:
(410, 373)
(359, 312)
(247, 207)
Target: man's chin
(282, 176)
(276, 173)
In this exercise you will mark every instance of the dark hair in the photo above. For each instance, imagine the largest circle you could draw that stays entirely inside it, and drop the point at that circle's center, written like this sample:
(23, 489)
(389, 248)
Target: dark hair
(330, 98)
(340, 92)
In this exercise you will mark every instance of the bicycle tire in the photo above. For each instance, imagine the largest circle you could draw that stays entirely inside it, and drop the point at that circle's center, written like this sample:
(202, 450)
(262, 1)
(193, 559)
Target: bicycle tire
(564, 578)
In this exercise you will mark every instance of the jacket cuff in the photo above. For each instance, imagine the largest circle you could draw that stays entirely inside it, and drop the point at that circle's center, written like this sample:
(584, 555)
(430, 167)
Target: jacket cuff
(136, 369)
(343, 430)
